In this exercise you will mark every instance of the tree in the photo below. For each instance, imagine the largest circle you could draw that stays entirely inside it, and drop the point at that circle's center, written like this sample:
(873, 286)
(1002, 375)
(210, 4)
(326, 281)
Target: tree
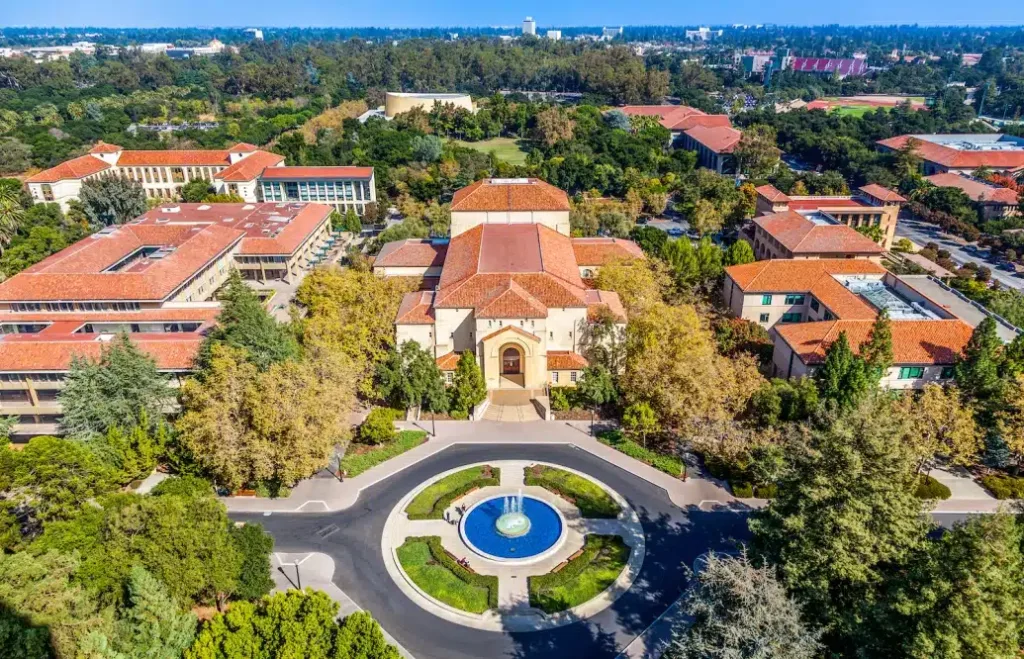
(427, 148)
(119, 389)
(553, 126)
(14, 156)
(939, 424)
(196, 190)
(617, 119)
(246, 427)
(640, 283)
(255, 546)
(11, 215)
(468, 387)
(595, 388)
(876, 352)
(650, 239)
(977, 371)
(757, 154)
(410, 378)
(843, 378)
(848, 472)
(360, 637)
(378, 427)
(244, 322)
(112, 200)
(640, 419)
(739, 253)
(741, 611)
(152, 624)
(706, 217)
(352, 223)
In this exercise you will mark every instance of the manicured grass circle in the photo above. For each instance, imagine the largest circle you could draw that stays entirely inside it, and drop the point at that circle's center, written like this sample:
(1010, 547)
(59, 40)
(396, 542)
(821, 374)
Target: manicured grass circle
(598, 566)
(425, 561)
(432, 501)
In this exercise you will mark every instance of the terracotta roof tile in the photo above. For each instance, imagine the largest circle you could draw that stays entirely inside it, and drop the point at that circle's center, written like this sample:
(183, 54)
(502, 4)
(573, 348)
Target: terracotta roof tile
(243, 147)
(411, 253)
(599, 302)
(720, 139)
(417, 308)
(173, 157)
(786, 276)
(449, 361)
(881, 193)
(294, 233)
(510, 195)
(914, 342)
(70, 169)
(317, 173)
(975, 189)
(957, 158)
(802, 236)
(771, 193)
(249, 167)
(599, 251)
(563, 360)
(103, 147)
(172, 352)
(510, 300)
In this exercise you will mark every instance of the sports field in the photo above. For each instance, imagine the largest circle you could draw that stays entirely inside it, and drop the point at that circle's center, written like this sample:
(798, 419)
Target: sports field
(506, 148)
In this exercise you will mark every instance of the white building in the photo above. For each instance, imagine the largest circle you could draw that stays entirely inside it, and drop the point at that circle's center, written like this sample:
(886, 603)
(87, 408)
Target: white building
(554, 35)
(530, 26)
(342, 187)
(254, 33)
(702, 34)
(609, 33)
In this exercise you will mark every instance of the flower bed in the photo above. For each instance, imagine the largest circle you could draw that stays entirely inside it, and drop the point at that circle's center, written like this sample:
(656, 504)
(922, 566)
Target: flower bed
(432, 501)
(583, 493)
(439, 575)
(670, 464)
(584, 577)
(361, 457)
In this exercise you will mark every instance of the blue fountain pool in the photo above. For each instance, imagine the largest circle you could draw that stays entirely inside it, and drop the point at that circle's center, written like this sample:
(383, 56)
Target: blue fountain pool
(479, 529)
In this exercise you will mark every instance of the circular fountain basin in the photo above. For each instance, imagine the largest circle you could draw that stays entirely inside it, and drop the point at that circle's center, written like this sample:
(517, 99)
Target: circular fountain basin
(513, 537)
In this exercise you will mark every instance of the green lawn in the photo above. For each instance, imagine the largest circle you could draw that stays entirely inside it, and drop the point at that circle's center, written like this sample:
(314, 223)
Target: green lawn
(602, 560)
(854, 110)
(443, 579)
(431, 502)
(360, 457)
(506, 148)
(587, 495)
(670, 464)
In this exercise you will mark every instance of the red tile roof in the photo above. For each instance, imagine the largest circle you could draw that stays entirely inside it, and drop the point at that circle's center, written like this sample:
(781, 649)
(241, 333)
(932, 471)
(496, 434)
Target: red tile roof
(243, 147)
(514, 330)
(802, 236)
(914, 342)
(510, 300)
(881, 193)
(808, 203)
(449, 361)
(563, 360)
(174, 157)
(317, 173)
(957, 158)
(249, 167)
(771, 193)
(103, 147)
(294, 233)
(598, 251)
(976, 189)
(786, 276)
(417, 308)
(172, 351)
(70, 169)
(720, 139)
(677, 117)
(599, 302)
(411, 253)
(510, 195)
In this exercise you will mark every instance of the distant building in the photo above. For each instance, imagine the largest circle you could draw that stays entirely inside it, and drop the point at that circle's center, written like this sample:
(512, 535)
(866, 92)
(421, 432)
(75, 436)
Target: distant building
(399, 102)
(554, 35)
(702, 34)
(530, 26)
(609, 33)
(994, 201)
(963, 154)
(829, 66)
(215, 46)
(677, 118)
(714, 146)
(344, 188)
(254, 33)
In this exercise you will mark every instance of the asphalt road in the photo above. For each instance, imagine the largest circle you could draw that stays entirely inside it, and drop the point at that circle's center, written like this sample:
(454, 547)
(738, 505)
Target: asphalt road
(922, 233)
(352, 538)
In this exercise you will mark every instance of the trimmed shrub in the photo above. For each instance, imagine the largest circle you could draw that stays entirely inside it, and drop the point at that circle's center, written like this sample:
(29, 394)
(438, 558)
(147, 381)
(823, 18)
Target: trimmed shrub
(559, 399)
(586, 495)
(929, 488)
(379, 426)
(432, 502)
(1004, 487)
(584, 577)
(356, 462)
(670, 464)
(742, 490)
(183, 486)
(437, 551)
(766, 491)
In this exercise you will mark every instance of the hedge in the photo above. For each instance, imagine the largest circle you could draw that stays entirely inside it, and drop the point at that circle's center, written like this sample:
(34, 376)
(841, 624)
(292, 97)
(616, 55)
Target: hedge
(443, 559)
(744, 490)
(591, 500)
(670, 464)
(357, 463)
(1004, 487)
(582, 578)
(929, 488)
(435, 499)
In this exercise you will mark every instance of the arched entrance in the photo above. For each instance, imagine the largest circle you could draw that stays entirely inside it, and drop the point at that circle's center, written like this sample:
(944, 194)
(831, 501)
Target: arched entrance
(513, 364)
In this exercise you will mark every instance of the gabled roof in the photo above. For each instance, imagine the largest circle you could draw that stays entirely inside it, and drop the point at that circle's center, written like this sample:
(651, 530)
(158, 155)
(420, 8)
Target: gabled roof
(449, 361)
(958, 158)
(881, 193)
(249, 167)
(599, 302)
(720, 139)
(495, 194)
(914, 342)
(512, 329)
(771, 193)
(563, 360)
(243, 147)
(786, 276)
(599, 251)
(417, 308)
(70, 169)
(411, 253)
(171, 351)
(976, 189)
(510, 300)
(802, 236)
(103, 147)
(677, 117)
(173, 157)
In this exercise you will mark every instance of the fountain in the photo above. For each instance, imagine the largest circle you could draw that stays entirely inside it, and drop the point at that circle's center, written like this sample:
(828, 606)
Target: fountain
(513, 521)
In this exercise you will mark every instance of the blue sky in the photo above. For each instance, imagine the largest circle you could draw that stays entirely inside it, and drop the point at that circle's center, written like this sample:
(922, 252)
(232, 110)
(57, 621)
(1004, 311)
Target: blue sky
(426, 13)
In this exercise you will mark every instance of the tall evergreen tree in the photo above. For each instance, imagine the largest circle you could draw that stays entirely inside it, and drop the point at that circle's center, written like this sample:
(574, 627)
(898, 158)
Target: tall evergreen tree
(410, 377)
(468, 386)
(739, 253)
(152, 624)
(843, 377)
(977, 371)
(877, 350)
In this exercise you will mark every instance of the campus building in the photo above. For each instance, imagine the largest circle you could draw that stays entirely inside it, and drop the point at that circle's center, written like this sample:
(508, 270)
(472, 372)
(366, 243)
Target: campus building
(677, 118)
(396, 103)
(161, 173)
(154, 278)
(345, 188)
(993, 201)
(806, 304)
(510, 286)
(714, 146)
(963, 154)
(809, 226)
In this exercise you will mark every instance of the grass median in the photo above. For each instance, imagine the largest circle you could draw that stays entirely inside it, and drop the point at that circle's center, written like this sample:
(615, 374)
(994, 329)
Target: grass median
(432, 501)
(588, 496)
(439, 575)
(598, 566)
(670, 464)
(361, 457)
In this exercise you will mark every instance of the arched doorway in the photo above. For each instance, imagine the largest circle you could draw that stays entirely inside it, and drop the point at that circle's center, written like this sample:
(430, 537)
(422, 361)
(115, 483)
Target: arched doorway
(511, 361)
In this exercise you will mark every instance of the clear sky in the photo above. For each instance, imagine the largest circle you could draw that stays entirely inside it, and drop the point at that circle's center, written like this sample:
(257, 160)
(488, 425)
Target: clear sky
(428, 13)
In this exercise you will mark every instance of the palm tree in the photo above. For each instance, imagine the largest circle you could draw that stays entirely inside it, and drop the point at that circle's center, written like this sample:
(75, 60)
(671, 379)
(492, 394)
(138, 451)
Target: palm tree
(11, 214)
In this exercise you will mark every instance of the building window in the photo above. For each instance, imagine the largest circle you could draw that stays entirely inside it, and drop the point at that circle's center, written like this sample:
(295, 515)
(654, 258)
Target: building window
(792, 317)
(448, 377)
(554, 377)
(947, 372)
(828, 315)
(572, 377)
(764, 318)
(794, 299)
(766, 299)
(815, 305)
(911, 372)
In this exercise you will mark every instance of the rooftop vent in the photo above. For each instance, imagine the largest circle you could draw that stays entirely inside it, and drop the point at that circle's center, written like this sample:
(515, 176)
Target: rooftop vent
(248, 207)
(227, 219)
(203, 207)
(510, 181)
(163, 220)
(171, 209)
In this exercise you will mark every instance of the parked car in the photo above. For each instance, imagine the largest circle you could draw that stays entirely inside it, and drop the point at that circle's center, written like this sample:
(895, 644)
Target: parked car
(675, 232)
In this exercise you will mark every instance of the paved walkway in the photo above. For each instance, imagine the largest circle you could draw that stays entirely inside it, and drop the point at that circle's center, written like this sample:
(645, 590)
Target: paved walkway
(325, 494)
